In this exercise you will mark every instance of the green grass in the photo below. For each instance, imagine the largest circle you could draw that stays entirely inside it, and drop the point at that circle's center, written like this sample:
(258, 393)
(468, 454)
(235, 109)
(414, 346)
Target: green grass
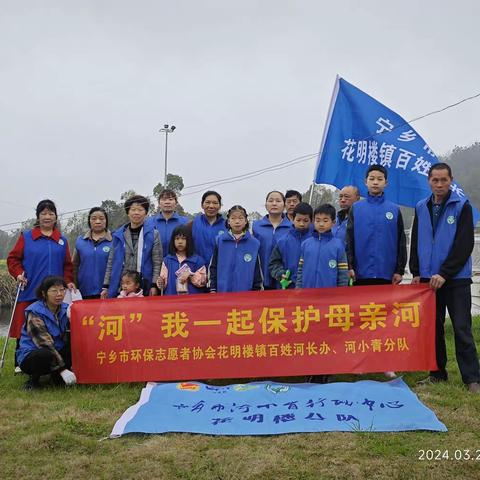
(55, 433)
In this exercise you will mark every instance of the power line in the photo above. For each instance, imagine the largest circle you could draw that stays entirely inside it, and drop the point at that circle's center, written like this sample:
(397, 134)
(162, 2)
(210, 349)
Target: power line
(272, 168)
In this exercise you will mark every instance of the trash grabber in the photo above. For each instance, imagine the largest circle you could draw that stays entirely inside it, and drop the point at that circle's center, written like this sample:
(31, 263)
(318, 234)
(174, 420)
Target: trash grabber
(2, 360)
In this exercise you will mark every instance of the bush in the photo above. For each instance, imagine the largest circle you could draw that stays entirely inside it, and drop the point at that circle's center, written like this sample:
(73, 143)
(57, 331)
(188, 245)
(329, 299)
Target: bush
(8, 288)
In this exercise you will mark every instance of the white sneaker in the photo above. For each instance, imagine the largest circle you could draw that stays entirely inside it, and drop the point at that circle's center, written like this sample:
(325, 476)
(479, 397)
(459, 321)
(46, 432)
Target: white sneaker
(390, 375)
(17, 370)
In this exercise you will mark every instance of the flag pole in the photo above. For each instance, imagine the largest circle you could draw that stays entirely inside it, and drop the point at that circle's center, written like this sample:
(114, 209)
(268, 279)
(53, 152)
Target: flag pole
(325, 131)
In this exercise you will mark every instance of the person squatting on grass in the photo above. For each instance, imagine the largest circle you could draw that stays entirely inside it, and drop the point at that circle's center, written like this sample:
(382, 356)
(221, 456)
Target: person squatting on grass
(44, 344)
(183, 271)
(235, 265)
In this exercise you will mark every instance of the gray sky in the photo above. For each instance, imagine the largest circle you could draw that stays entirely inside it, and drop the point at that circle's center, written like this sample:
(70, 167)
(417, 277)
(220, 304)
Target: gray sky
(86, 85)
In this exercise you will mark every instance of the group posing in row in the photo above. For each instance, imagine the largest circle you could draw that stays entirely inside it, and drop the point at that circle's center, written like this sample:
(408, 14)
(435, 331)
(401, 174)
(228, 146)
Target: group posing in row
(292, 246)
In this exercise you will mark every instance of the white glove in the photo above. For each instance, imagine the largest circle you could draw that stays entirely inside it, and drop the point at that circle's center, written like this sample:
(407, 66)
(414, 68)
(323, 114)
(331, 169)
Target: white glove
(68, 377)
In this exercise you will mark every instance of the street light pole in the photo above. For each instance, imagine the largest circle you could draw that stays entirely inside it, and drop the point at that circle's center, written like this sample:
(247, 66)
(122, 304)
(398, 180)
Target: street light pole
(166, 129)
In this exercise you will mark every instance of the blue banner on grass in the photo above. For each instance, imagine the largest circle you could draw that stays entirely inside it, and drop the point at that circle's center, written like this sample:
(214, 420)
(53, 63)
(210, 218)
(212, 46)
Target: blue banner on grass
(269, 408)
(360, 132)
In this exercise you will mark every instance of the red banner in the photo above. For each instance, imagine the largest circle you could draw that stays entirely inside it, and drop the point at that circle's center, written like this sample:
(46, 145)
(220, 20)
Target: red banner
(254, 334)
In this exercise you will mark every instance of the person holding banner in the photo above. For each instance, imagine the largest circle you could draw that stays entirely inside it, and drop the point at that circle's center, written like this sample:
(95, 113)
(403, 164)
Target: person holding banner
(135, 246)
(440, 253)
(91, 254)
(44, 345)
(235, 265)
(376, 244)
(183, 271)
(285, 255)
(37, 253)
(208, 225)
(271, 227)
(347, 197)
(323, 262)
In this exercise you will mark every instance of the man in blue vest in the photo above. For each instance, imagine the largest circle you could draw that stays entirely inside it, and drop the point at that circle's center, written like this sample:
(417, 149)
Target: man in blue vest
(347, 197)
(442, 242)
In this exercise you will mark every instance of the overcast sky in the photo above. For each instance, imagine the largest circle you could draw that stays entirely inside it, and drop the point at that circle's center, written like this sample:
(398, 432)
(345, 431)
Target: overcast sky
(85, 86)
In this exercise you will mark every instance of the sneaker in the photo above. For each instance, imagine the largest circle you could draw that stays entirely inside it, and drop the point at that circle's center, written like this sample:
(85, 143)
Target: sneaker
(473, 387)
(390, 375)
(430, 380)
(17, 370)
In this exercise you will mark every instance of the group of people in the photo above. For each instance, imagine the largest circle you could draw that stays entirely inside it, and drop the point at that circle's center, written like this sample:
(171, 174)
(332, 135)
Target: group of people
(292, 246)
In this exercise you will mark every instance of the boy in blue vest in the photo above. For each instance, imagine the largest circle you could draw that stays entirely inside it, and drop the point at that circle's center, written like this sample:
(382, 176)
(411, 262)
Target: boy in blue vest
(442, 242)
(323, 262)
(376, 245)
(286, 251)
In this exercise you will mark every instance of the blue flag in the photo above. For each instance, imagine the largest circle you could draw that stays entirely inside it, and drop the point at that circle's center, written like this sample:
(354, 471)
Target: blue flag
(269, 408)
(360, 132)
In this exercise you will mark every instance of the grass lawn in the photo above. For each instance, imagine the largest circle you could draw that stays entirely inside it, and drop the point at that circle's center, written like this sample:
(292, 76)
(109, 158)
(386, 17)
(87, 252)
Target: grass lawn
(54, 433)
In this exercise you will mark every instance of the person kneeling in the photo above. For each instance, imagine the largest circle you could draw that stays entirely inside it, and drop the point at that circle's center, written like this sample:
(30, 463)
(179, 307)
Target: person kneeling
(44, 348)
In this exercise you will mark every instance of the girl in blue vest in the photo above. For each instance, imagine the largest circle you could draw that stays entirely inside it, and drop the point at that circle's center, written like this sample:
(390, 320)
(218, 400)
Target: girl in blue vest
(183, 271)
(135, 246)
(208, 225)
(91, 254)
(235, 265)
(272, 226)
(44, 347)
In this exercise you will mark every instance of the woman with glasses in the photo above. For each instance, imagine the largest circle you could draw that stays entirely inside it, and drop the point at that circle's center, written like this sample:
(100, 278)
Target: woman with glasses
(44, 347)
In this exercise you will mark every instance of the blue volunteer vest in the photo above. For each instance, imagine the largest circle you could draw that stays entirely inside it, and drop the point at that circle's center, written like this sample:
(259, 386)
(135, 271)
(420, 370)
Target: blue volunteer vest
(339, 230)
(195, 262)
(56, 330)
(118, 243)
(236, 262)
(321, 255)
(41, 257)
(204, 235)
(376, 237)
(92, 266)
(433, 249)
(166, 227)
(265, 233)
(289, 247)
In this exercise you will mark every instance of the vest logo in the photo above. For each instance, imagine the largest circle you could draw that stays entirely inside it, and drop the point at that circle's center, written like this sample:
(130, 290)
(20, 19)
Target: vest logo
(332, 263)
(106, 248)
(277, 388)
(191, 387)
(61, 242)
(220, 232)
(450, 219)
(389, 215)
(247, 257)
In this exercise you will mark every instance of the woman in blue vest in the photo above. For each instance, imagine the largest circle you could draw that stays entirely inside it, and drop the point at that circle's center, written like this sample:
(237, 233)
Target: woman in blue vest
(235, 265)
(91, 254)
(44, 347)
(135, 246)
(208, 225)
(269, 229)
(38, 252)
